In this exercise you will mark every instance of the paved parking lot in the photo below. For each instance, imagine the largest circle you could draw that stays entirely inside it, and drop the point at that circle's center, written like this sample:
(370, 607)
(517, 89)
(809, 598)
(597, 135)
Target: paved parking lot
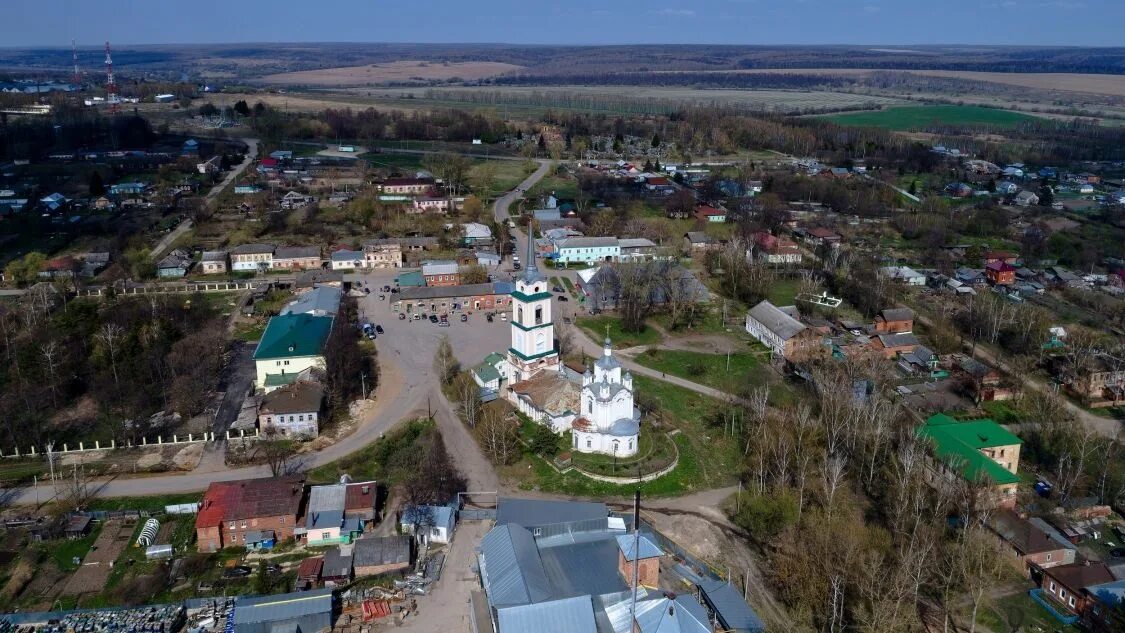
(413, 343)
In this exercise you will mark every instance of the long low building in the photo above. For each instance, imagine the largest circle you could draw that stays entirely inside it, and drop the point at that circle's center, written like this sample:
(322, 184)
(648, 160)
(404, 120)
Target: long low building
(489, 296)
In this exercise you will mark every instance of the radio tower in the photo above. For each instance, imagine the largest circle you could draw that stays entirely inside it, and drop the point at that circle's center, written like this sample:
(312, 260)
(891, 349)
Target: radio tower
(110, 84)
(77, 79)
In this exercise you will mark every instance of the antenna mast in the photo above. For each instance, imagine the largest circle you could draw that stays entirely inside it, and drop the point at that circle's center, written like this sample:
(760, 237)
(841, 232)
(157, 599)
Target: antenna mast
(77, 79)
(110, 83)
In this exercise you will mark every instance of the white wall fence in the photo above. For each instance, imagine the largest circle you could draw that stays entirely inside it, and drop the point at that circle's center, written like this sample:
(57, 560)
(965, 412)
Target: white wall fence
(33, 451)
(179, 288)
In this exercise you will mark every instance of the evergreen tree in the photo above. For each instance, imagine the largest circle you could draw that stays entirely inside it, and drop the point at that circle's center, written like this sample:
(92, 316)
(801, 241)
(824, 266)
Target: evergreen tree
(97, 187)
(655, 140)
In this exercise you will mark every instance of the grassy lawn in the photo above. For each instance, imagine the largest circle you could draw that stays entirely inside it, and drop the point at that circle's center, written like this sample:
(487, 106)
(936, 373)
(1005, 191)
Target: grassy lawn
(63, 552)
(1021, 608)
(17, 471)
(154, 504)
(654, 452)
(714, 370)
(562, 186)
(595, 326)
(708, 320)
(783, 291)
(387, 459)
(249, 332)
(917, 117)
(707, 458)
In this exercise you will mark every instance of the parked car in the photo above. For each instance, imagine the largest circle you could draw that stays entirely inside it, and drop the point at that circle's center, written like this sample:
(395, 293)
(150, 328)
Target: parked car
(503, 316)
(556, 289)
(443, 324)
(433, 318)
(488, 317)
(464, 317)
(379, 329)
(563, 298)
(401, 316)
(240, 571)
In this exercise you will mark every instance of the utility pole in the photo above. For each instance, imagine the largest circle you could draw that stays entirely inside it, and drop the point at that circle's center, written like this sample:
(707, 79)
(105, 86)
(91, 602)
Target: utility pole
(363, 384)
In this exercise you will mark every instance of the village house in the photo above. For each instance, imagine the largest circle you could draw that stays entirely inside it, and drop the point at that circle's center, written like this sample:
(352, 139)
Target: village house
(771, 249)
(345, 259)
(296, 200)
(210, 166)
(978, 451)
(383, 253)
(984, 383)
(475, 234)
(325, 522)
(428, 524)
(894, 345)
(1000, 273)
(824, 237)
(427, 204)
(252, 257)
(406, 186)
(292, 410)
(1065, 584)
(297, 258)
(290, 344)
(232, 510)
(1026, 199)
(378, 555)
(587, 250)
(442, 299)
(905, 274)
(707, 213)
(337, 569)
(174, 265)
(213, 262)
(1100, 382)
(698, 241)
(636, 249)
(1031, 544)
(1101, 600)
(895, 321)
(780, 331)
(441, 273)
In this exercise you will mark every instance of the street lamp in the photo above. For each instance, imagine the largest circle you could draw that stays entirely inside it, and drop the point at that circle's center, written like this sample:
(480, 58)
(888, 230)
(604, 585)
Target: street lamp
(614, 471)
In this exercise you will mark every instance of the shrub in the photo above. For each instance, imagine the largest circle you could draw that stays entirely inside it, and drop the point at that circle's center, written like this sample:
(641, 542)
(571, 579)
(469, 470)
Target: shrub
(764, 516)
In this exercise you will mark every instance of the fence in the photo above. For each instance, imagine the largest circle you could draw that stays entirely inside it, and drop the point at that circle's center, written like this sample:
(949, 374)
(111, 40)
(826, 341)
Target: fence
(180, 288)
(97, 446)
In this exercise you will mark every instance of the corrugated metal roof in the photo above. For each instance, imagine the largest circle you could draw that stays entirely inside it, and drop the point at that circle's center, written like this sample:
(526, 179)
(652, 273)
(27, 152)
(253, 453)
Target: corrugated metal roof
(569, 615)
(729, 607)
(282, 607)
(320, 300)
(588, 566)
(511, 569)
(326, 506)
(776, 320)
(384, 550)
(681, 614)
(531, 513)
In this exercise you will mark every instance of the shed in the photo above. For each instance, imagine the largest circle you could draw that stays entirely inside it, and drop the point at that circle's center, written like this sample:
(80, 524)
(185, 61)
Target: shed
(337, 567)
(372, 556)
(158, 552)
(303, 611)
(729, 608)
(78, 526)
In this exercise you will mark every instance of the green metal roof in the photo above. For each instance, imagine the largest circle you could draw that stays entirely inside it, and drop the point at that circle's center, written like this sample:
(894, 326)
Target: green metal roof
(958, 444)
(494, 359)
(280, 380)
(528, 298)
(410, 279)
(293, 335)
(486, 372)
(549, 352)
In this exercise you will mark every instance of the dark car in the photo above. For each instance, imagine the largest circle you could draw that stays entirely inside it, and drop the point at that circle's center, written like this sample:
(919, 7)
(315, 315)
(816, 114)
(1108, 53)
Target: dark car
(241, 571)
(401, 316)
(464, 317)
(489, 317)
(556, 289)
(379, 329)
(386, 288)
(433, 318)
(563, 298)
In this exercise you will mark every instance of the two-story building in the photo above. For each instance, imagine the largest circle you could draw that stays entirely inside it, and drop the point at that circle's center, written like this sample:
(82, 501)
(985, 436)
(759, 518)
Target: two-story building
(290, 344)
(292, 410)
(588, 250)
(297, 258)
(773, 249)
(441, 273)
(780, 331)
(979, 452)
(407, 186)
(382, 253)
(252, 257)
(234, 513)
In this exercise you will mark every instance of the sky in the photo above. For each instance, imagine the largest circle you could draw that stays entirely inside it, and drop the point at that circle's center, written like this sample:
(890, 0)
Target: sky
(25, 23)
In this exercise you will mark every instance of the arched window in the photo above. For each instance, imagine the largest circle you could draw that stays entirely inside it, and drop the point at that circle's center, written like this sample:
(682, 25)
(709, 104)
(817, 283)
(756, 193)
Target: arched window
(519, 314)
(590, 406)
(540, 342)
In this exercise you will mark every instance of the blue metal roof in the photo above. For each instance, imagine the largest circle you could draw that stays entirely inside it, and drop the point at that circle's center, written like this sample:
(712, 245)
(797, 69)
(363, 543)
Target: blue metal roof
(1108, 593)
(729, 607)
(681, 614)
(441, 516)
(511, 569)
(284, 606)
(569, 615)
(538, 512)
(625, 542)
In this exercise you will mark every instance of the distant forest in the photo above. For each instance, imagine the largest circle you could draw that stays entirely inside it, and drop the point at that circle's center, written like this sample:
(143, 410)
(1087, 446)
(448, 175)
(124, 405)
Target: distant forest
(249, 60)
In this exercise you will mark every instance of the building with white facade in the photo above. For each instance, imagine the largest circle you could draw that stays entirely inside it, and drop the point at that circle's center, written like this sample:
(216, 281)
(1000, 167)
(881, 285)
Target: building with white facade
(587, 250)
(608, 422)
(533, 333)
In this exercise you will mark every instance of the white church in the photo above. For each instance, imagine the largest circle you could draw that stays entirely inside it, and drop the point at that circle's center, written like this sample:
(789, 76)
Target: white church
(599, 414)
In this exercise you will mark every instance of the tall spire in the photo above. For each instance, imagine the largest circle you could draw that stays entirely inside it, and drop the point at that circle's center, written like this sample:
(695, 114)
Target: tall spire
(531, 271)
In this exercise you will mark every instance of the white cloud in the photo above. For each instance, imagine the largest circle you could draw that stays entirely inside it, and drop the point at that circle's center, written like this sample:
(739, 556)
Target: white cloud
(682, 13)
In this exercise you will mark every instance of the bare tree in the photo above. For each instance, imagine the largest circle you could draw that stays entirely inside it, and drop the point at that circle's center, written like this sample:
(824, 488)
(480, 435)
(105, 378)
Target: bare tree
(832, 476)
(445, 362)
(498, 436)
(50, 353)
(278, 452)
(109, 335)
(468, 397)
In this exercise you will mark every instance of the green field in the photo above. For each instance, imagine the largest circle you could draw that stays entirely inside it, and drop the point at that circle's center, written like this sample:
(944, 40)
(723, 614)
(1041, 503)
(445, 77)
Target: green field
(917, 117)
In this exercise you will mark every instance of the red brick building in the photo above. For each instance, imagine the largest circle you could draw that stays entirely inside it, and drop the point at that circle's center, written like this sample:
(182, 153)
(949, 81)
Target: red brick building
(895, 321)
(231, 509)
(1000, 273)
